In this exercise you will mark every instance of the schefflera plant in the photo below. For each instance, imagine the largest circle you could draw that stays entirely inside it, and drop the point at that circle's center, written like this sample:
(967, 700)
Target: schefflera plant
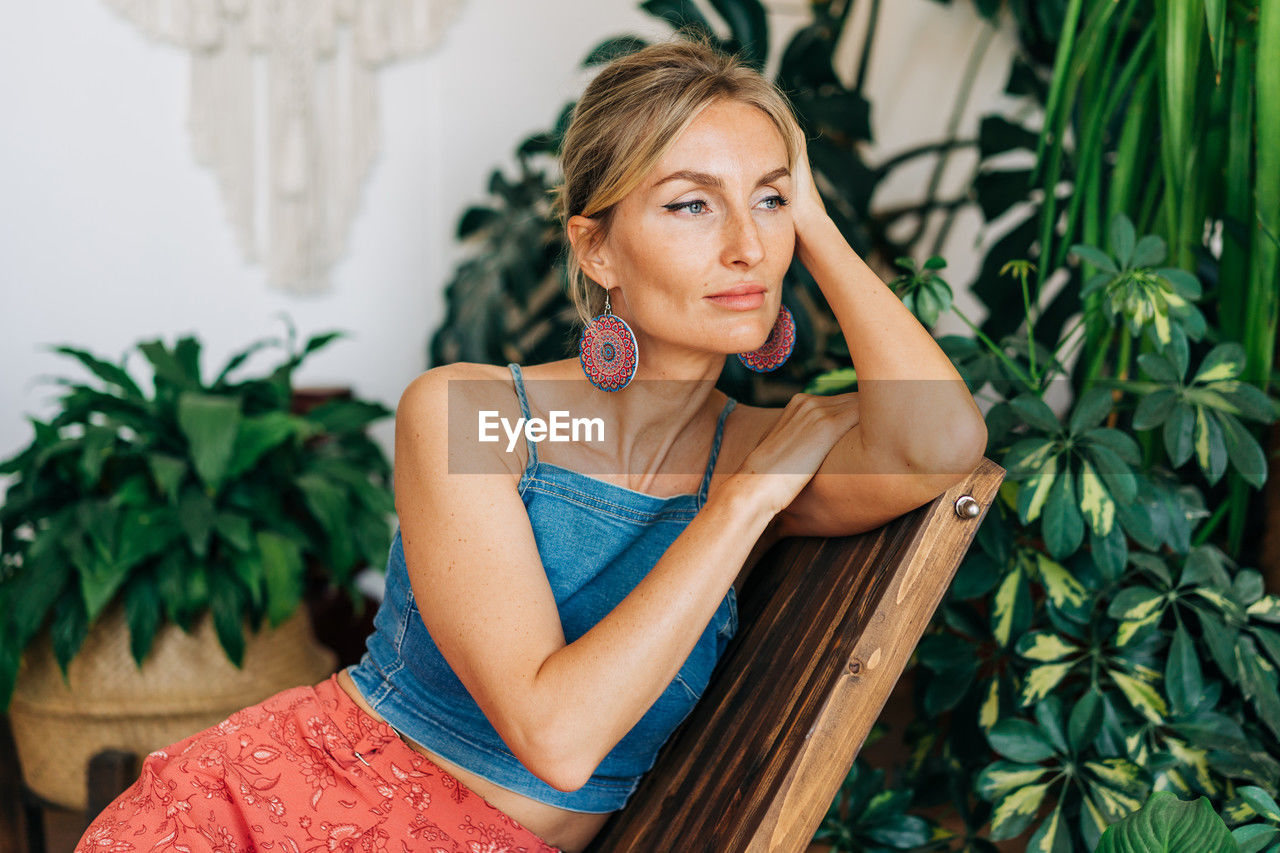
(198, 497)
(1095, 647)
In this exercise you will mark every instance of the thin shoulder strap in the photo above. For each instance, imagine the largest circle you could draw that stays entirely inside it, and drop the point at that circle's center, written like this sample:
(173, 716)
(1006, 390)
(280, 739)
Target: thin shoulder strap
(524, 411)
(715, 451)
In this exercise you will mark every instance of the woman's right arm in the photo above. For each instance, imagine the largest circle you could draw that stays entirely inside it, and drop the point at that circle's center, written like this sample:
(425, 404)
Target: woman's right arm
(485, 598)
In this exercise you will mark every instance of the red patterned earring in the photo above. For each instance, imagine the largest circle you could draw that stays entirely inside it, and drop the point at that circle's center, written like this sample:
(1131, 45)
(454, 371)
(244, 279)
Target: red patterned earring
(776, 349)
(608, 352)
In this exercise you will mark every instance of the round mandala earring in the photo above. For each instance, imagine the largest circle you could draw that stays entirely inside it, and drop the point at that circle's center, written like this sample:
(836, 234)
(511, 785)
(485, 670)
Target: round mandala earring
(608, 352)
(776, 349)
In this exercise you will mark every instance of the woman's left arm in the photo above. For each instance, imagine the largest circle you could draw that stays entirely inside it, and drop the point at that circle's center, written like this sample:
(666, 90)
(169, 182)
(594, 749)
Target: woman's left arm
(916, 415)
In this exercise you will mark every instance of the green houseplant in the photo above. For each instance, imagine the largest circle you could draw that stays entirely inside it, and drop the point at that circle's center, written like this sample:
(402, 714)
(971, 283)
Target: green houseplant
(1094, 648)
(201, 501)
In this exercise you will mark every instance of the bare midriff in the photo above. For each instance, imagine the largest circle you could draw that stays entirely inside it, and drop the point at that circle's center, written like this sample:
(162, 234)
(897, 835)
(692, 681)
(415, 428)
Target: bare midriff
(568, 830)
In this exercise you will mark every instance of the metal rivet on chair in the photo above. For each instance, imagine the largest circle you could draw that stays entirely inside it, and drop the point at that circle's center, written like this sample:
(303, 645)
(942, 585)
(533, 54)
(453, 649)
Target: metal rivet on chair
(967, 507)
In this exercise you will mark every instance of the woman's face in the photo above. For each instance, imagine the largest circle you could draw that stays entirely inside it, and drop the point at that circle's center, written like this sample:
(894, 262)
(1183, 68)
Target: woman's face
(709, 217)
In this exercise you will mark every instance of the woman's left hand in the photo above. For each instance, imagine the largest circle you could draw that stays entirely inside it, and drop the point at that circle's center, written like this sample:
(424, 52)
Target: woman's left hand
(807, 208)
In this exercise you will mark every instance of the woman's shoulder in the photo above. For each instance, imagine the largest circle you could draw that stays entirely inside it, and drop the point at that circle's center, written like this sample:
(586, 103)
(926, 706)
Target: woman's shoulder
(502, 372)
(466, 404)
(452, 396)
(462, 370)
(477, 382)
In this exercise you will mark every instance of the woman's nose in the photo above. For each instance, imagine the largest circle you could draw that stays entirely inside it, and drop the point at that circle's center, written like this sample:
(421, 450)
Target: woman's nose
(742, 240)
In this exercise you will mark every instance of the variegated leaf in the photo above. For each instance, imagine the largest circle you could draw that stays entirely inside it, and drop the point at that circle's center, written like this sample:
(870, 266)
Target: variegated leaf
(1095, 501)
(1000, 778)
(1126, 631)
(1052, 835)
(1092, 823)
(1262, 802)
(1064, 590)
(1045, 646)
(1210, 443)
(1029, 456)
(1136, 602)
(1135, 607)
(1135, 745)
(1160, 325)
(1266, 608)
(1237, 811)
(1041, 679)
(1216, 400)
(1009, 494)
(1219, 600)
(1119, 773)
(1115, 804)
(1197, 760)
(1015, 811)
(1173, 779)
(1034, 493)
(1006, 598)
(1224, 361)
(989, 713)
(1142, 696)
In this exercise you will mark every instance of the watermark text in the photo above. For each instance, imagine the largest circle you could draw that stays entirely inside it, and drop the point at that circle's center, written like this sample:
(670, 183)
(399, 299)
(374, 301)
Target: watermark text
(537, 429)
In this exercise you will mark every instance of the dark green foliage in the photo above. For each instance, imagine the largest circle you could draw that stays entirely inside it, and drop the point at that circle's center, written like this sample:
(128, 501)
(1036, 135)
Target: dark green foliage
(195, 498)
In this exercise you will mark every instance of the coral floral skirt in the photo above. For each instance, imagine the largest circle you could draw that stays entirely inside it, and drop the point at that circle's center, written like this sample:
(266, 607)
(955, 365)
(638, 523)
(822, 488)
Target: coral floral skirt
(305, 770)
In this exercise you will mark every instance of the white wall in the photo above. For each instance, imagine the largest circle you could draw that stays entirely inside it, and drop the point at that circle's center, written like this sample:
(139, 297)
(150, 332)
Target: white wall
(111, 233)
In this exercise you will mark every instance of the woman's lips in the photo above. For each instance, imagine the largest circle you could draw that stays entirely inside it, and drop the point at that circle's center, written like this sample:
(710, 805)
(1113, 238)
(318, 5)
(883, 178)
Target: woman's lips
(739, 302)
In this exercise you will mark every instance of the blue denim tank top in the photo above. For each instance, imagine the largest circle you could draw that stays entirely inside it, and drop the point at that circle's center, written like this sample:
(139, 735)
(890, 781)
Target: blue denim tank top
(597, 541)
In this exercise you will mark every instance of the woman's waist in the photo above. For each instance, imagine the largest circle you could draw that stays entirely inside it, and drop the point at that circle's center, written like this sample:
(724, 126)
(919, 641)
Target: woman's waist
(564, 828)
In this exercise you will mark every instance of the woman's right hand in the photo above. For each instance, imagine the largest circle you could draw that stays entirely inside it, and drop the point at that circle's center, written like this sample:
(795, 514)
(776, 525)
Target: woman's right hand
(794, 448)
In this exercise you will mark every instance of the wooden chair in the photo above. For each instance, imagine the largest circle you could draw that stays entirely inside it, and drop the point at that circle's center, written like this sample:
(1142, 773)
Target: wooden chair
(825, 629)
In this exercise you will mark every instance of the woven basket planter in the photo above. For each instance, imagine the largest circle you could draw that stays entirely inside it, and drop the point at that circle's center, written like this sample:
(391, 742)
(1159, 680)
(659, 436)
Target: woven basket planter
(186, 685)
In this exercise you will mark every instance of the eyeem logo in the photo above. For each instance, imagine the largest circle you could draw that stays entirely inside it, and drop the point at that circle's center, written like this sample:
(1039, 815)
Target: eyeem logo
(536, 429)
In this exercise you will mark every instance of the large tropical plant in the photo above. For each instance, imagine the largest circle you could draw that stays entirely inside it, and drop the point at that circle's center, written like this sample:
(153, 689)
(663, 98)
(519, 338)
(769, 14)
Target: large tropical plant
(186, 498)
(1150, 657)
(1095, 647)
(1166, 112)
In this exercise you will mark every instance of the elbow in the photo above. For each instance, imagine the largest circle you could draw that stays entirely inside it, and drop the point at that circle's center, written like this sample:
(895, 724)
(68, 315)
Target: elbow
(953, 453)
(974, 445)
(557, 756)
(562, 768)
(568, 782)
(949, 460)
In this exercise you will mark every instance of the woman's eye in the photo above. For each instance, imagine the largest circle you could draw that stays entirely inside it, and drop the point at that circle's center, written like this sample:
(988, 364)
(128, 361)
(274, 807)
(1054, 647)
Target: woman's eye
(688, 205)
(697, 207)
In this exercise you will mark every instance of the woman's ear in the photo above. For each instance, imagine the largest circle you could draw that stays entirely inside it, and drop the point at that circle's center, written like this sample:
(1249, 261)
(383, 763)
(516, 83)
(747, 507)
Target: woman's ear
(588, 248)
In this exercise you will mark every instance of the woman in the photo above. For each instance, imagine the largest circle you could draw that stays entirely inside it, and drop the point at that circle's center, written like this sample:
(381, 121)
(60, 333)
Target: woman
(544, 630)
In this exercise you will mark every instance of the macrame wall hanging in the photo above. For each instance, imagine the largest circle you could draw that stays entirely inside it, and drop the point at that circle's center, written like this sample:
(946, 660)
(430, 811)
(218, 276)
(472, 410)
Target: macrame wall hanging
(310, 65)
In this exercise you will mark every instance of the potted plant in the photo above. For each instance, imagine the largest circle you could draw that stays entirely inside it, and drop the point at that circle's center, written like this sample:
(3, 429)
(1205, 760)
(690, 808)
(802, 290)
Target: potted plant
(141, 532)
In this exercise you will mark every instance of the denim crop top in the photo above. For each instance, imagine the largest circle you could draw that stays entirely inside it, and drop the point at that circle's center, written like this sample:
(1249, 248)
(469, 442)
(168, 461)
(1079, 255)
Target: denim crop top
(597, 541)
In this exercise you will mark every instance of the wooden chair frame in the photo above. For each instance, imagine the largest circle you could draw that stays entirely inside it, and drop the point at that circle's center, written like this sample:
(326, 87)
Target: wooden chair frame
(826, 627)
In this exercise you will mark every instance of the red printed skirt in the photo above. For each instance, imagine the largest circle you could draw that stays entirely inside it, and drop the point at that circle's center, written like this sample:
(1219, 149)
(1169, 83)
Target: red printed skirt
(305, 770)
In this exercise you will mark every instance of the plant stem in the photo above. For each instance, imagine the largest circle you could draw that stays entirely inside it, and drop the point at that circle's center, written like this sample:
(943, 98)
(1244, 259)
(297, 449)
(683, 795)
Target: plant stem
(865, 59)
(994, 349)
(1031, 325)
(921, 150)
(1206, 531)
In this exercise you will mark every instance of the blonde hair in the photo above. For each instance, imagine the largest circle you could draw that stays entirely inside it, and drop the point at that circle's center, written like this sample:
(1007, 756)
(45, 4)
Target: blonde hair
(630, 115)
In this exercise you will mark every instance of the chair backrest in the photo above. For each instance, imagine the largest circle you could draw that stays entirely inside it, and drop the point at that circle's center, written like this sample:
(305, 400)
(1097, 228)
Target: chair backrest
(826, 627)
